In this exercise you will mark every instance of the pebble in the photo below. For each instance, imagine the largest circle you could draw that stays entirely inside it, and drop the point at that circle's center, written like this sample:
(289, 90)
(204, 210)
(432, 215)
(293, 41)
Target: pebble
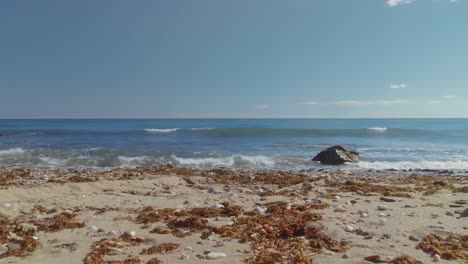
(388, 200)
(337, 197)
(349, 228)
(383, 220)
(345, 255)
(382, 207)
(436, 258)
(349, 203)
(364, 215)
(359, 192)
(340, 209)
(375, 259)
(464, 213)
(215, 255)
(130, 233)
(211, 190)
(188, 249)
(413, 238)
(382, 214)
(260, 209)
(93, 229)
(217, 206)
(183, 257)
(220, 243)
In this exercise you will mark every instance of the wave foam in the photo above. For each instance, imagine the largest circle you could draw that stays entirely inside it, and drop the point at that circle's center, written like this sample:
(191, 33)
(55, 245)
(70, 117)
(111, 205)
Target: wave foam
(406, 165)
(159, 130)
(202, 128)
(378, 129)
(13, 151)
(231, 161)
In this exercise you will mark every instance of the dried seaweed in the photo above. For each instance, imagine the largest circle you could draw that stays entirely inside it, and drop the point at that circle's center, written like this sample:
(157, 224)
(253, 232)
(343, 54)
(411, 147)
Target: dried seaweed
(285, 232)
(13, 231)
(160, 249)
(154, 261)
(369, 188)
(405, 259)
(452, 247)
(59, 222)
(104, 246)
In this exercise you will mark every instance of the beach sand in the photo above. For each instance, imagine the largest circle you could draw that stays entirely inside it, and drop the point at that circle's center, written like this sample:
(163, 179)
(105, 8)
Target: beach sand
(71, 216)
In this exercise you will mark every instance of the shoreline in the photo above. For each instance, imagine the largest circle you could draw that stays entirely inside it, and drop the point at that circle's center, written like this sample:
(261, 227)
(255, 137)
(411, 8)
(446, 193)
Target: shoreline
(179, 214)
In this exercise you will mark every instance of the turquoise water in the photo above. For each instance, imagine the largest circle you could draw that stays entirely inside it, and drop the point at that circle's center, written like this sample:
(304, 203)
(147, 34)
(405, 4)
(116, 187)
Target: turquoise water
(246, 143)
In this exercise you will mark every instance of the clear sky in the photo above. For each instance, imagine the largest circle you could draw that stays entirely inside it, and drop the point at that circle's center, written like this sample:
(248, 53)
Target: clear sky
(242, 58)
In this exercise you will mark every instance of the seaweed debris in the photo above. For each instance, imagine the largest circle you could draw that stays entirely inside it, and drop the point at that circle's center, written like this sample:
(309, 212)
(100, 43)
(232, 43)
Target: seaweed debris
(452, 247)
(160, 249)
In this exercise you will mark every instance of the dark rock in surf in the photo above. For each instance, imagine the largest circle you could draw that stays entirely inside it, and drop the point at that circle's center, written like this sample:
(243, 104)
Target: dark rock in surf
(337, 155)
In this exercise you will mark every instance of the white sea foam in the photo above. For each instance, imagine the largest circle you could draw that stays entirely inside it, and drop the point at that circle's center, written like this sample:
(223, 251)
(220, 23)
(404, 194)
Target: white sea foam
(11, 152)
(160, 130)
(202, 128)
(402, 165)
(133, 161)
(378, 129)
(231, 161)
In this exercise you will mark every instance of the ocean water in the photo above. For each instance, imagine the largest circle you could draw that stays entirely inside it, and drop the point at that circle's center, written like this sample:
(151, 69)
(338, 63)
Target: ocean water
(241, 143)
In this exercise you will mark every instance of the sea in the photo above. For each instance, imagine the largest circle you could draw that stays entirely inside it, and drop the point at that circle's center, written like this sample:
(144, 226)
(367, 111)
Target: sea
(289, 144)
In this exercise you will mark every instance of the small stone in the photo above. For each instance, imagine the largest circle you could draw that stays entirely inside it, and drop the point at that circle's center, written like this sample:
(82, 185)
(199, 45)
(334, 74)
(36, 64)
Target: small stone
(383, 220)
(130, 233)
(345, 255)
(382, 215)
(375, 259)
(215, 255)
(349, 228)
(413, 238)
(340, 209)
(188, 249)
(93, 229)
(211, 190)
(260, 209)
(382, 207)
(220, 243)
(337, 197)
(436, 258)
(449, 213)
(359, 192)
(183, 257)
(388, 200)
(217, 206)
(349, 203)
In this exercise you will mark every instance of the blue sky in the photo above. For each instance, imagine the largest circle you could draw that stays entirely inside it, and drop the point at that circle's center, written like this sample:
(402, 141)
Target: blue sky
(243, 58)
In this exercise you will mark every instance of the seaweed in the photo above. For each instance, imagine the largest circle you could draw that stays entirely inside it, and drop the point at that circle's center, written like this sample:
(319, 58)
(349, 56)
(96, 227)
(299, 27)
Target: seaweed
(451, 247)
(58, 222)
(160, 249)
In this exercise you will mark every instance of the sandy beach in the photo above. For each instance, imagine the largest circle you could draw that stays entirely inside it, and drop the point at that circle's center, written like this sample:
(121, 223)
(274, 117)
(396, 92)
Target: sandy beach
(182, 215)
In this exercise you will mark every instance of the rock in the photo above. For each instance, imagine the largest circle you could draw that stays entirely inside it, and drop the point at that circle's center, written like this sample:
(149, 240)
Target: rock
(340, 209)
(345, 255)
(349, 228)
(464, 213)
(382, 207)
(215, 255)
(413, 238)
(183, 257)
(449, 213)
(93, 229)
(388, 200)
(337, 155)
(436, 258)
(130, 233)
(375, 259)
(217, 206)
(220, 243)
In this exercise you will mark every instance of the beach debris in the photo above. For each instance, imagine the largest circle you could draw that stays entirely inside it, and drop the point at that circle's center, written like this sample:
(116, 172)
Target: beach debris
(375, 259)
(183, 257)
(340, 209)
(388, 200)
(154, 260)
(59, 222)
(436, 258)
(451, 247)
(337, 155)
(215, 255)
(405, 259)
(349, 228)
(160, 249)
